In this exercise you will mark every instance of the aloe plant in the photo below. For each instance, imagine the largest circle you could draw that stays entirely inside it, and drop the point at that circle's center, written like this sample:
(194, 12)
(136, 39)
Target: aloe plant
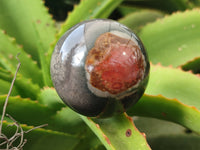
(170, 34)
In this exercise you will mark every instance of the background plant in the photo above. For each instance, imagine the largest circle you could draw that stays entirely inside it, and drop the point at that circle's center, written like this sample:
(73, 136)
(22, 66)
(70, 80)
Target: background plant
(170, 32)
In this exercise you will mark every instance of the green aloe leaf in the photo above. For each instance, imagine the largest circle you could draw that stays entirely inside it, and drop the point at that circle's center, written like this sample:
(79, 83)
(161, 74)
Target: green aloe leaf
(24, 86)
(175, 83)
(30, 112)
(167, 5)
(173, 95)
(137, 20)
(5, 86)
(26, 111)
(122, 126)
(173, 40)
(118, 132)
(8, 52)
(48, 96)
(167, 109)
(93, 143)
(29, 22)
(68, 121)
(63, 118)
(41, 138)
(165, 135)
(126, 9)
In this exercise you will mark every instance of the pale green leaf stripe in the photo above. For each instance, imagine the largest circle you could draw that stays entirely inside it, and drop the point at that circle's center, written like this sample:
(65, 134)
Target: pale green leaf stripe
(43, 139)
(173, 40)
(117, 133)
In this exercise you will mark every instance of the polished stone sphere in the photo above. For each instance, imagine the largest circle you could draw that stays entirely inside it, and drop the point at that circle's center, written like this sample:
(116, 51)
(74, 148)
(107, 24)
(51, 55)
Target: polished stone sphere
(99, 68)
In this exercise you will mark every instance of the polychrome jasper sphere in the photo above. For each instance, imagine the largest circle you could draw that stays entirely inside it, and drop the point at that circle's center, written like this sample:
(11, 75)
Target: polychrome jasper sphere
(99, 68)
